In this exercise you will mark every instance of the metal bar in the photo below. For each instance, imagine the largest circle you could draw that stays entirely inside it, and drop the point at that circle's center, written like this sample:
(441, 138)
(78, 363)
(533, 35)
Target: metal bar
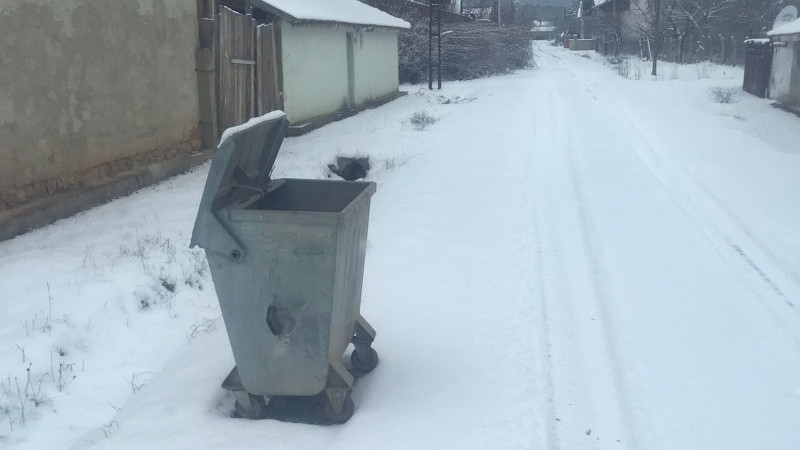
(430, 46)
(248, 62)
(439, 48)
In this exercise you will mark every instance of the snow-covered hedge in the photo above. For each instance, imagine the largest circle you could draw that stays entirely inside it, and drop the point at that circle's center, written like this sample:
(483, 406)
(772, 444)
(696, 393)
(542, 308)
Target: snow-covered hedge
(469, 50)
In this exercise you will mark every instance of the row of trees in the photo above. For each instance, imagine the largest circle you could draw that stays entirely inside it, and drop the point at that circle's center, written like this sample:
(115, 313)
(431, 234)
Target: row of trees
(689, 21)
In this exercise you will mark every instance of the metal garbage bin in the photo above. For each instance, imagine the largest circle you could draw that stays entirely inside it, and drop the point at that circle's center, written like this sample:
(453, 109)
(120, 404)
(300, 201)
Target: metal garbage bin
(287, 260)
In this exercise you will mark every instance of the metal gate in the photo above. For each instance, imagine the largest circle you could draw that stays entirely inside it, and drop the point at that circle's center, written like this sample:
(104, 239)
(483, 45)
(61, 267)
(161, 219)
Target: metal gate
(757, 67)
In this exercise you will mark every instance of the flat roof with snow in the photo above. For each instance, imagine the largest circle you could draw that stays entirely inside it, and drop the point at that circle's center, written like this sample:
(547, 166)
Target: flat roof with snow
(787, 28)
(347, 12)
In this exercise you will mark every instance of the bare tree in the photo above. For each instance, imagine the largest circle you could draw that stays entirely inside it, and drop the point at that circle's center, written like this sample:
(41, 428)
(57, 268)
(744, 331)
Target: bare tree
(658, 39)
(686, 16)
(650, 27)
(718, 26)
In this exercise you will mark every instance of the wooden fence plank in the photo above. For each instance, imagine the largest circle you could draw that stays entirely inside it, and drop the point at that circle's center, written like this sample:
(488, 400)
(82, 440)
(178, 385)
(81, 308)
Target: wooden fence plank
(236, 91)
(266, 69)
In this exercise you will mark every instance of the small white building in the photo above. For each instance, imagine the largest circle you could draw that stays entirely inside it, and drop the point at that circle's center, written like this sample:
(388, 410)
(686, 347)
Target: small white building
(317, 60)
(334, 55)
(784, 83)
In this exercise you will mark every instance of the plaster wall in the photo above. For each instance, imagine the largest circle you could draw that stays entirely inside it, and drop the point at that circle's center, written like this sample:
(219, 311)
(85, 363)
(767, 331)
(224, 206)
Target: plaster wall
(315, 70)
(86, 83)
(375, 64)
(784, 85)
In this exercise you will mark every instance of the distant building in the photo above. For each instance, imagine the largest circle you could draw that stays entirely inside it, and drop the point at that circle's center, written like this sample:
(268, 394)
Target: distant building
(543, 30)
(784, 84)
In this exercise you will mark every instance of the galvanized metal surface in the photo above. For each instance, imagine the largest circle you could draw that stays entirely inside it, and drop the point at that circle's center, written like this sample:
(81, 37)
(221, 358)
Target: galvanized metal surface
(287, 259)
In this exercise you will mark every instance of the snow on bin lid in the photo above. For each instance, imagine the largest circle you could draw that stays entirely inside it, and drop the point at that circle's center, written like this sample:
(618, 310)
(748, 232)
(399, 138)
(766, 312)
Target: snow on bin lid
(243, 161)
(351, 12)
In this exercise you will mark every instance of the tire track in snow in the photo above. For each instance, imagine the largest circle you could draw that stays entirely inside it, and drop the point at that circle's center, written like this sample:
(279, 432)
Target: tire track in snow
(543, 322)
(588, 386)
(767, 274)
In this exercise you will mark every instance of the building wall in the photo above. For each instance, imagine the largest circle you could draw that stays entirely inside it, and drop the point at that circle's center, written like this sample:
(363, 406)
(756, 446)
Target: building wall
(784, 85)
(315, 74)
(91, 88)
(375, 63)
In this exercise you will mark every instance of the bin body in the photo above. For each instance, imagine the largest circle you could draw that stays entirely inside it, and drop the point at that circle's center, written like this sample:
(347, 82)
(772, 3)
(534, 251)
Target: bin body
(303, 267)
(287, 260)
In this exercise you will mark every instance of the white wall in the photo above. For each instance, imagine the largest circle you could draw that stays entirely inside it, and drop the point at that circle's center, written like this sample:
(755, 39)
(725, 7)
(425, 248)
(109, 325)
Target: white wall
(784, 84)
(375, 64)
(315, 68)
(314, 71)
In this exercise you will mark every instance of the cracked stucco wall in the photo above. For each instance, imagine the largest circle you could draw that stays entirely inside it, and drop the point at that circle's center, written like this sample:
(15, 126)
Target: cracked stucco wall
(89, 88)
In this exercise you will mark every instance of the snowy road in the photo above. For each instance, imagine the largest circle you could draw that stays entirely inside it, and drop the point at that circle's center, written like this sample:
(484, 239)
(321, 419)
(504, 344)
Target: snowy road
(566, 260)
(669, 324)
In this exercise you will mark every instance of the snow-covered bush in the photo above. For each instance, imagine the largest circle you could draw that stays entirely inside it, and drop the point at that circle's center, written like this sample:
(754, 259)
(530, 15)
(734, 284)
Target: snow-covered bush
(720, 94)
(422, 119)
(469, 50)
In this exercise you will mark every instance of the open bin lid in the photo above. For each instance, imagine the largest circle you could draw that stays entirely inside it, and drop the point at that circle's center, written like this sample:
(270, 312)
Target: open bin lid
(243, 160)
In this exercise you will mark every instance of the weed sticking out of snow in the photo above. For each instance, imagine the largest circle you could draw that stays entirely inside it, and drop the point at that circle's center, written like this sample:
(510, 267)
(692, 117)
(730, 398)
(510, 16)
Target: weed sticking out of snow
(393, 162)
(98, 307)
(205, 325)
(673, 75)
(422, 120)
(626, 68)
(455, 100)
(724, 95)
(703, 70)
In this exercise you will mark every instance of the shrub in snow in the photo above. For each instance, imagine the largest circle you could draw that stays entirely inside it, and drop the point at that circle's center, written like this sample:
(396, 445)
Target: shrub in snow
(722, 94)
(626, 68)
(422, 119)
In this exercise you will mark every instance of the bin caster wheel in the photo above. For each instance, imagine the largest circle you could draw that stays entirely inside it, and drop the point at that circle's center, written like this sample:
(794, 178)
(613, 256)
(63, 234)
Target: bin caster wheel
(364, 363)
(341, 417)
(257, 409)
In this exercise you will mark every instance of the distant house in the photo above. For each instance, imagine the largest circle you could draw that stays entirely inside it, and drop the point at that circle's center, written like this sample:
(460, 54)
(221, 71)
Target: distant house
(543, 29)
(329, 56)
(487, 10)
(784, 84)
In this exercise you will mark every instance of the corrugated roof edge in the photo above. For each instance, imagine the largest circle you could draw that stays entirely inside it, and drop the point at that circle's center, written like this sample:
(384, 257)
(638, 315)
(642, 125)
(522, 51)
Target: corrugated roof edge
(262, 4)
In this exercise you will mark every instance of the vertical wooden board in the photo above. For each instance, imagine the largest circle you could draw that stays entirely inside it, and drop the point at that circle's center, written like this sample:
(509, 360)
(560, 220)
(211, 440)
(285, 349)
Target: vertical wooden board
(266, 69)
(236, 79)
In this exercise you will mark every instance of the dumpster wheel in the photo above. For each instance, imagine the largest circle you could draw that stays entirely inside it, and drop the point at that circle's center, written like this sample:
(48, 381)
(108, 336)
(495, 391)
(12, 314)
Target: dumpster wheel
(348, 408)
(364, 363)
(256, 410)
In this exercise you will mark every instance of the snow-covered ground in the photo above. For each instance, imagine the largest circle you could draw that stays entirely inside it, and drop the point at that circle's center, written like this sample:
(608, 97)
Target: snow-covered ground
(566, 259)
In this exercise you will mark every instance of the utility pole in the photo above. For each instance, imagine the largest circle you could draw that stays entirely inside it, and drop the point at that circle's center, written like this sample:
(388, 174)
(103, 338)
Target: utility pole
(435, 32)
(499, 12)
